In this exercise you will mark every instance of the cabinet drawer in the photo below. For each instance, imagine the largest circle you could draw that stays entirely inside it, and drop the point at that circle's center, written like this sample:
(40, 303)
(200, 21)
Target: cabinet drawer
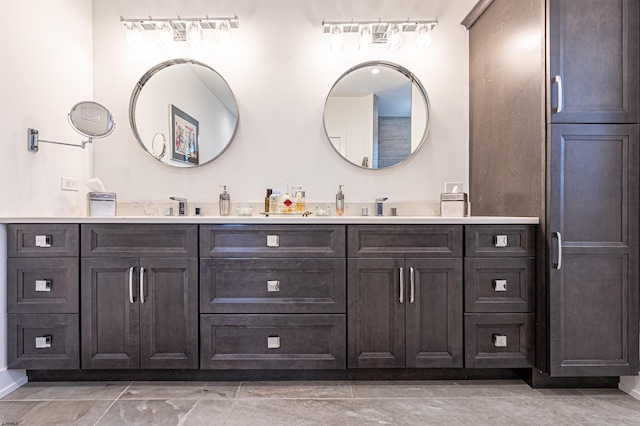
(272, 285)
(499, 340)
(500, 240)
(272, 341)
(140, 240)
(42, 240)
(499, 285)
(405, 241)
(272, 241)
(43, 341)
(42, 285)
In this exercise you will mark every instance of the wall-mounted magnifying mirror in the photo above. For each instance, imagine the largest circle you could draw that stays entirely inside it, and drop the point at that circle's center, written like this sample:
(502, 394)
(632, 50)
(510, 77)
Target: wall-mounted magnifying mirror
(183, 113)
(88, 118)
(377, 115)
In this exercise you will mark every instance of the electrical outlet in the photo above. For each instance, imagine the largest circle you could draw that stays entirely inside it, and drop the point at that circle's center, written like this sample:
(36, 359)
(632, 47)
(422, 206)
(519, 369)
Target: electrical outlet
(449, 186)
(69, 184)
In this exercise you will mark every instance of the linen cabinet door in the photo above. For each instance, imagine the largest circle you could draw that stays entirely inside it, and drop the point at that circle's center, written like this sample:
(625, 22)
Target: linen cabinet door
(434, 313)
(169, 313)
(593, 260)
(376, 330)
(110, 313)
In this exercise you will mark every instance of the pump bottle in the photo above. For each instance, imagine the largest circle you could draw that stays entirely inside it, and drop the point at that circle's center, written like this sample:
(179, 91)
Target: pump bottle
(340, 201)
(225, 201)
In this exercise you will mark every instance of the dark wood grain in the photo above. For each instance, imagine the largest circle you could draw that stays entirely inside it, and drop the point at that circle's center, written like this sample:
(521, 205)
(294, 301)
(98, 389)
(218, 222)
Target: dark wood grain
(480, 240)
(21, 240)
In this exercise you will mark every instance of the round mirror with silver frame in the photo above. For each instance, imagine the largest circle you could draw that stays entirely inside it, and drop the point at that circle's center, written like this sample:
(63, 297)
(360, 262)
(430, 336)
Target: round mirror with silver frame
(377, 115)
(183, 113)
(91, 119)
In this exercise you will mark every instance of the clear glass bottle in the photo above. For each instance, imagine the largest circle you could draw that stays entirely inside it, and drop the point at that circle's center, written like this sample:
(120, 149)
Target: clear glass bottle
(273, 202)
(300, 203)
(225, 201)
(340, 201)
(286, 203)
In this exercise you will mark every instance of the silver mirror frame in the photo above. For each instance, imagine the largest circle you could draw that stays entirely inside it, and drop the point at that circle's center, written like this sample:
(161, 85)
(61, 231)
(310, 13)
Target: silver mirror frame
(145, 78)
(412, 78)
(109, 123)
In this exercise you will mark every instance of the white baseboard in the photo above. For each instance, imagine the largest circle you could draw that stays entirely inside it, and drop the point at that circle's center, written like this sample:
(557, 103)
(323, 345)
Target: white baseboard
(11, 380)
(633, 391)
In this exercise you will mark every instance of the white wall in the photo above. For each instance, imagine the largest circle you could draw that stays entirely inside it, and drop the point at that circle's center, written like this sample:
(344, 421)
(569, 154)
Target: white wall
(43, 72)
(351, 120)
(281, 71)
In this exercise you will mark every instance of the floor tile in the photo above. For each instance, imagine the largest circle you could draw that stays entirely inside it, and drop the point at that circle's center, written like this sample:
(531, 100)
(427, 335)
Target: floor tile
(45, 391)
(181, 390)
(319, 389)
(52, 412)
(440, 389)
(166, 412)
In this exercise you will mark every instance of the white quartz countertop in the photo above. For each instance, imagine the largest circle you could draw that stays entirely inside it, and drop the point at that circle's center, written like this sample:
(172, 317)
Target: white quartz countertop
(263, 220)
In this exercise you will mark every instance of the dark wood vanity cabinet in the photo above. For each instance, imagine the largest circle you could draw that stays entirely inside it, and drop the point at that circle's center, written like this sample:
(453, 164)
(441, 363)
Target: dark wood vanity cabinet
(42, 296)
(272, 297)
(405, 296)
(554, 134)
(139, 312)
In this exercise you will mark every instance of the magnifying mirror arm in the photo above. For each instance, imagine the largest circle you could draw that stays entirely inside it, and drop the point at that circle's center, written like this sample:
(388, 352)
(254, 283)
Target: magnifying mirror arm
(33, 141)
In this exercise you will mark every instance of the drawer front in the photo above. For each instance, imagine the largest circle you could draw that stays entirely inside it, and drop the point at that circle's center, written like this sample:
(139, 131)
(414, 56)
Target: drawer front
(499, 285)
(272, 341)
(42, 240)
(405, 240)
(500, 240)
(499, 340)
(272, 241)
(140, 240)
(43, 341)
(43, 285)
(272, 285)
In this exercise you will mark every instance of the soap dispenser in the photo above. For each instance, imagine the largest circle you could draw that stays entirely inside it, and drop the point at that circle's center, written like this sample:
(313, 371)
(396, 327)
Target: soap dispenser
(225, 201)
(340, 201)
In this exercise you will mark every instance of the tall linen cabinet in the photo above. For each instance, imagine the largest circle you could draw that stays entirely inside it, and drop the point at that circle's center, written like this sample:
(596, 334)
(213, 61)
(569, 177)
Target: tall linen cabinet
(554, 101)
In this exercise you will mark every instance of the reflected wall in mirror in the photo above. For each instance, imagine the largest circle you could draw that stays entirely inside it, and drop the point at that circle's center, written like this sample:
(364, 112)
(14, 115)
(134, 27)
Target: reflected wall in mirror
(91, 119)
(208, 117)
(377, 115)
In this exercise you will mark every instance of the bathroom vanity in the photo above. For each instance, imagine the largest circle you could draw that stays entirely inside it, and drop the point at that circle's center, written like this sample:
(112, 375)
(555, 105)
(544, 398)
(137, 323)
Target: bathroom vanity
(210, 293)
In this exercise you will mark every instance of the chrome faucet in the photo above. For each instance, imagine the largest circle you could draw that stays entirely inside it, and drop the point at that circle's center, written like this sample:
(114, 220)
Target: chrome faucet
(379, 210)
(182, 205)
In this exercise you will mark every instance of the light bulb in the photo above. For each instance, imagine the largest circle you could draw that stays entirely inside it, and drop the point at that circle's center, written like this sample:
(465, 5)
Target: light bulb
(164, 34)
(194, 34)
(336, 39)
(423, 40)
(394, 39)
(365, 38)
(135, 35)
(224, 36)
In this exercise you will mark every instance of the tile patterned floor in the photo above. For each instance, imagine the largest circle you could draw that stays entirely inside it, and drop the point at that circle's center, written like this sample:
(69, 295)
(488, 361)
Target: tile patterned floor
(504, 402)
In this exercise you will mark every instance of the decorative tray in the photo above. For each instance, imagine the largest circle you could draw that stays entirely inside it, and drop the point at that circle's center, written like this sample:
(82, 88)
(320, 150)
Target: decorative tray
(304, 213)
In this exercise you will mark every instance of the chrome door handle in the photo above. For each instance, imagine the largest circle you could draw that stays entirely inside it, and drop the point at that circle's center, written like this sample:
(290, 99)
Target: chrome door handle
(559, 237)
(558, 80)
(131, 284)
(141, 284)
(401, 284)
(412, 284)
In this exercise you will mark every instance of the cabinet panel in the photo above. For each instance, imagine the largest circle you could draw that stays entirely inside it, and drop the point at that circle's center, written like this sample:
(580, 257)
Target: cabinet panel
(499, 340)
(272, 241)
(272, 341)
(140, 240)
(169, 314)
(110, 313)
(434, 313)
(376, 319)
(43, 285)
(594, 50)
(272, 285)
(42, 240)
(43, 341)
(499, 285)
(593, 290)
(405, 240)
(500, 241)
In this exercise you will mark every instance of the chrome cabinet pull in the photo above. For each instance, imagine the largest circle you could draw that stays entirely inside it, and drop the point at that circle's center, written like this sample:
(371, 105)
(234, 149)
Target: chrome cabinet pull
(141, 284)
(43, 285)
(43, 342)
(501, 241)
(401, 284)
(273, 286)
(499, 340)
(273, 342)
(413, 285)
(131, 284)
(499, 285)
(273, 241)
(559, 262)
(558, 80)
(43, 241)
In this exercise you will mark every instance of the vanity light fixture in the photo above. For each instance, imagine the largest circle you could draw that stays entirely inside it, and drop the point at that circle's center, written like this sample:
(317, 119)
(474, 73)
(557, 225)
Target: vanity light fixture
(168, 30)
(389, 33)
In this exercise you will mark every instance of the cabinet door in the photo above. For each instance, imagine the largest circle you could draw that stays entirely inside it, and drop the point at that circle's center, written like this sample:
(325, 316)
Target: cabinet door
(434, 313)
(376, 333)
(593, 279)
(169, 313)
(110, 313)
(594, 49)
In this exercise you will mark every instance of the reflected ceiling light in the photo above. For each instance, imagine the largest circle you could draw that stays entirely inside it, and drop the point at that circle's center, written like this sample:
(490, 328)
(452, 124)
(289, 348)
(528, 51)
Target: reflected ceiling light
(177, 29)
(224, 36)
(365, 37)
(389, 33)
(375, 71)
(336, 38)
(423, 38)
